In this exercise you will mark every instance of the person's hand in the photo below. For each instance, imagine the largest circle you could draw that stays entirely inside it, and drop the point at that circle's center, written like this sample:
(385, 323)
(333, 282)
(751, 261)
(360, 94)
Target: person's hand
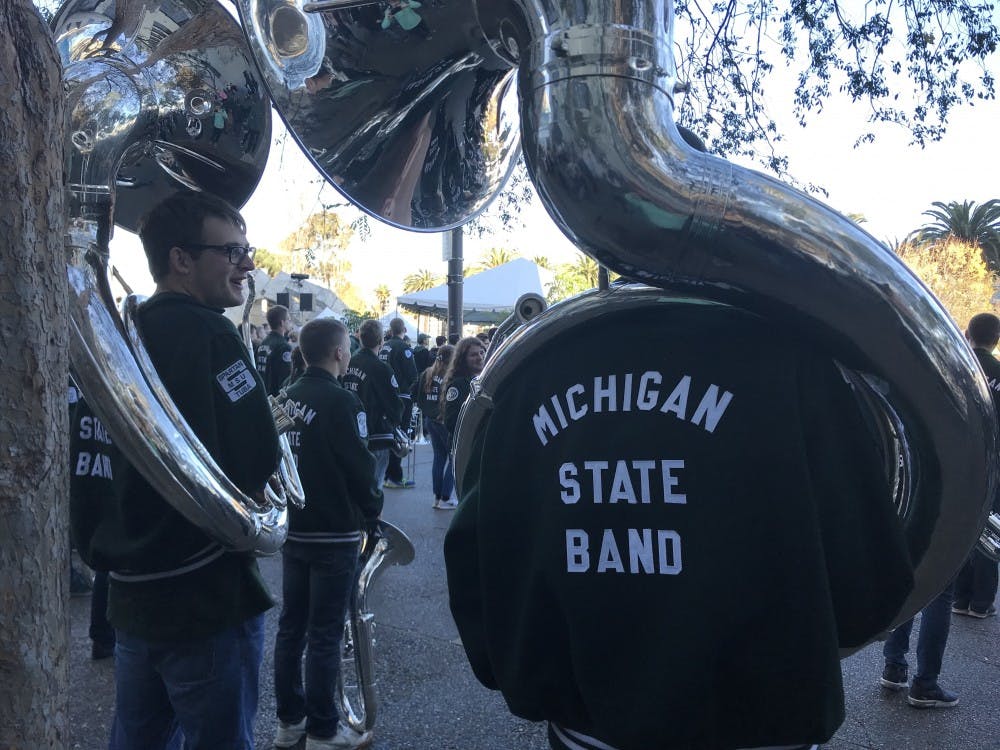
(373, 529)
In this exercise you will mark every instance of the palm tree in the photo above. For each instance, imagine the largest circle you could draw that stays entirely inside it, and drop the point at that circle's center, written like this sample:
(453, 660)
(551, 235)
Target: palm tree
(419, 280)
(382, 295)
(495, 256)
(976, 225)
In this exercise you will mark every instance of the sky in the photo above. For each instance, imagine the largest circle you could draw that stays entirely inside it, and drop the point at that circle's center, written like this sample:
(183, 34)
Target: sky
(889, 182)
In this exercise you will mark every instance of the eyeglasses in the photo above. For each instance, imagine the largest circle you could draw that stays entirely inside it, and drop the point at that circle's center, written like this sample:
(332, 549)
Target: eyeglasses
(236, 252)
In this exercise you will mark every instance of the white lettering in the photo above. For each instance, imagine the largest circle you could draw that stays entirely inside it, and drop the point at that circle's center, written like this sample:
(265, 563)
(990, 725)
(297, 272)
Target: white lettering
(712, 407)
(621, 485)
(577, 551)
(571, 487)
(670, 481)
(543, 423)
(575, 412)
(670, 557)
(609, 559)
(596, 468)
(605, 393)
(677, 401)
(640, 550)
(648, 396)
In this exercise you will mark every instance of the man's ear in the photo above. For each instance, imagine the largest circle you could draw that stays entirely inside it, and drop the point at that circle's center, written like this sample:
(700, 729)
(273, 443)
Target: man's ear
(179, 261)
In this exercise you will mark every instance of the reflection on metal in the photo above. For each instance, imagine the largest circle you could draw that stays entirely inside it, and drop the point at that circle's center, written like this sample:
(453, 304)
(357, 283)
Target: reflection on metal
(417, 126)
(142, 77)
(357, 699)
(596, 81)
(145, 79)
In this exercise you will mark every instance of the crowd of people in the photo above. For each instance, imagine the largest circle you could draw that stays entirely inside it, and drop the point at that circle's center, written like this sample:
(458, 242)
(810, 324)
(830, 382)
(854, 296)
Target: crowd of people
(183, 616)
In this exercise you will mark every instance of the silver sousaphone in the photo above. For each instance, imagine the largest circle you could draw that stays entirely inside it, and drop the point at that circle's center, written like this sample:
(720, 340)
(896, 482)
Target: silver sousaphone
(142, 79)
(415, 126)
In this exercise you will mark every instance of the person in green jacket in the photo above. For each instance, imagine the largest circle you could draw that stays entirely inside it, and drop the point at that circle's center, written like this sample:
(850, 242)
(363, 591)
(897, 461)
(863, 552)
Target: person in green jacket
(320, 558)
(188, 613)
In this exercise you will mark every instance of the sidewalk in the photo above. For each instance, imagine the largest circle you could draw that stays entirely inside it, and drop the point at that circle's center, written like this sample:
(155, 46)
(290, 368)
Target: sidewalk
(429, 699)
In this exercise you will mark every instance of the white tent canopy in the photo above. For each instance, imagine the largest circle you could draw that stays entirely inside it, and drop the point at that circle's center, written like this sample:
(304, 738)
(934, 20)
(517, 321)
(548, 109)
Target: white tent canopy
(487, 297)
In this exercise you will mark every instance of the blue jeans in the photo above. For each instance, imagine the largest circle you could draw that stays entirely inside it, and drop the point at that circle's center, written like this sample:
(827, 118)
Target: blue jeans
(442, 477)
(381, 464)
(935, 622)
(100, 631)
(196, 695)
(317, 581)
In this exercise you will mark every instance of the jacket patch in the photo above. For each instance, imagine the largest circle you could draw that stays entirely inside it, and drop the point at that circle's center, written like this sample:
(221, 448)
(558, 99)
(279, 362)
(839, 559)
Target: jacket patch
(236, 380)
(408, 353)
(395, 383)
(363, 424)
(287, 356)
(452, 394)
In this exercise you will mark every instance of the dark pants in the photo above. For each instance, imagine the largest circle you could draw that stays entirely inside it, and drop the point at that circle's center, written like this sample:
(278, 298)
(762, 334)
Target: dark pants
(935, 622)
(442, 475)
(101, 631)
(200, 692)
(976, 585)
(316, 587)
(395, 470)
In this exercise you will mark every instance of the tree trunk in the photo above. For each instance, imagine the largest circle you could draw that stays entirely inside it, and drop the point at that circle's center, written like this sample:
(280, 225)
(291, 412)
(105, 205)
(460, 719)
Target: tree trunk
(34, 487)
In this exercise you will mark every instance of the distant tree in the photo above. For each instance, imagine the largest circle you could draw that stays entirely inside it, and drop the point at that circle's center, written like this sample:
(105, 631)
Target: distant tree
(956, 273)
(268, 261)
(420, 280)
(542, 261)
(857, 218)
(573, 278)
(975, 225)
(319, 248)
(382, 297)
(909, 62)
(495, 256)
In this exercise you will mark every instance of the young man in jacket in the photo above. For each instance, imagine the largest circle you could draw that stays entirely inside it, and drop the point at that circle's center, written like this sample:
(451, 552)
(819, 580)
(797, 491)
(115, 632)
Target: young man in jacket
(399, 356)
(320, 558)
(274, 355)
(188, 613)
(373, 381)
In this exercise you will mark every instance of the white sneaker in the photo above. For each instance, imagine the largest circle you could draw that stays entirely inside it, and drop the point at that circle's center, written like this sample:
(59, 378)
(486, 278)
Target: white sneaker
(345, 739)
(449, 504)
(288, 735)
(437, 503)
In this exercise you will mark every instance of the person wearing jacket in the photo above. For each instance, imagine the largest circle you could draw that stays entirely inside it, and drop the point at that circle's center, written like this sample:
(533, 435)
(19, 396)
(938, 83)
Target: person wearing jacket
(428, 397)
(668, 549)
(188, 613)
(466, 363)
(396, 352)
(374, 383)
(320, 558)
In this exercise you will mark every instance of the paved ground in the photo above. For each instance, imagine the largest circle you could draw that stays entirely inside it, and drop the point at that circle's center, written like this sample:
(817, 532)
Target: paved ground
(430, 700)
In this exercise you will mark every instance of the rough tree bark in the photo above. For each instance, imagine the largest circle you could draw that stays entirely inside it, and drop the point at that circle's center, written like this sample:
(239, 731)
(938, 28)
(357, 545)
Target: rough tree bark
(34, 488)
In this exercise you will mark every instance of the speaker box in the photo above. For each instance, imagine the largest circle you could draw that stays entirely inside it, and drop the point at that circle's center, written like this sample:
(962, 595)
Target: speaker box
(283, 299)
(306, 302)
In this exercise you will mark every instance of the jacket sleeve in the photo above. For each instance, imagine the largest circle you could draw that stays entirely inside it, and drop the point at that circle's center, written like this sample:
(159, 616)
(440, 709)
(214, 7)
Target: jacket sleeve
(279, 367)
(868, 564)
(401, 359)
(461, 557)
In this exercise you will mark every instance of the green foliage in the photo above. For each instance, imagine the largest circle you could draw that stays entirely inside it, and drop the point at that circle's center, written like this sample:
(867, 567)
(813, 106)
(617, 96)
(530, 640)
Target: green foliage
(319, 248)
(955, 271)
(978, 226)
(504, 212)
(267, 261)
(382, 297)
(420, 280)
(573, 278)
(910, 62)
(495, 256)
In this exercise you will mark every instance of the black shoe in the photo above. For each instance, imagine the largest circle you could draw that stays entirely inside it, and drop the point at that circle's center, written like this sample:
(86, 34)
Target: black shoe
(934, 696)
(100, 651)
(990, 611)
(893, 677)
(960, 608)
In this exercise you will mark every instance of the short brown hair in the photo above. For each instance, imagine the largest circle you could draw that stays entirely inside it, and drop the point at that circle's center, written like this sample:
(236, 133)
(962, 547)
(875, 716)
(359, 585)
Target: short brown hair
(370, 333)
(983, 330)
(276, 315)
(396, 326)
(179, 221)
(319, 337)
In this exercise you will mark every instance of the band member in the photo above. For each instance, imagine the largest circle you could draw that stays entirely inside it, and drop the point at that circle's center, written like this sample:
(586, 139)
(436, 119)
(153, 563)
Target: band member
(274, 355)
(976, 585)
(399, 356)
(320, 558)
(466, 363)
(429, 400)
(373, 381)
(668, 550)
(188, 614)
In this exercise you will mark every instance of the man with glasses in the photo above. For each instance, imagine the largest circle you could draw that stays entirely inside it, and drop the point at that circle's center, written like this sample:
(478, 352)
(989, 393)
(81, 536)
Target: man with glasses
(188, 613)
